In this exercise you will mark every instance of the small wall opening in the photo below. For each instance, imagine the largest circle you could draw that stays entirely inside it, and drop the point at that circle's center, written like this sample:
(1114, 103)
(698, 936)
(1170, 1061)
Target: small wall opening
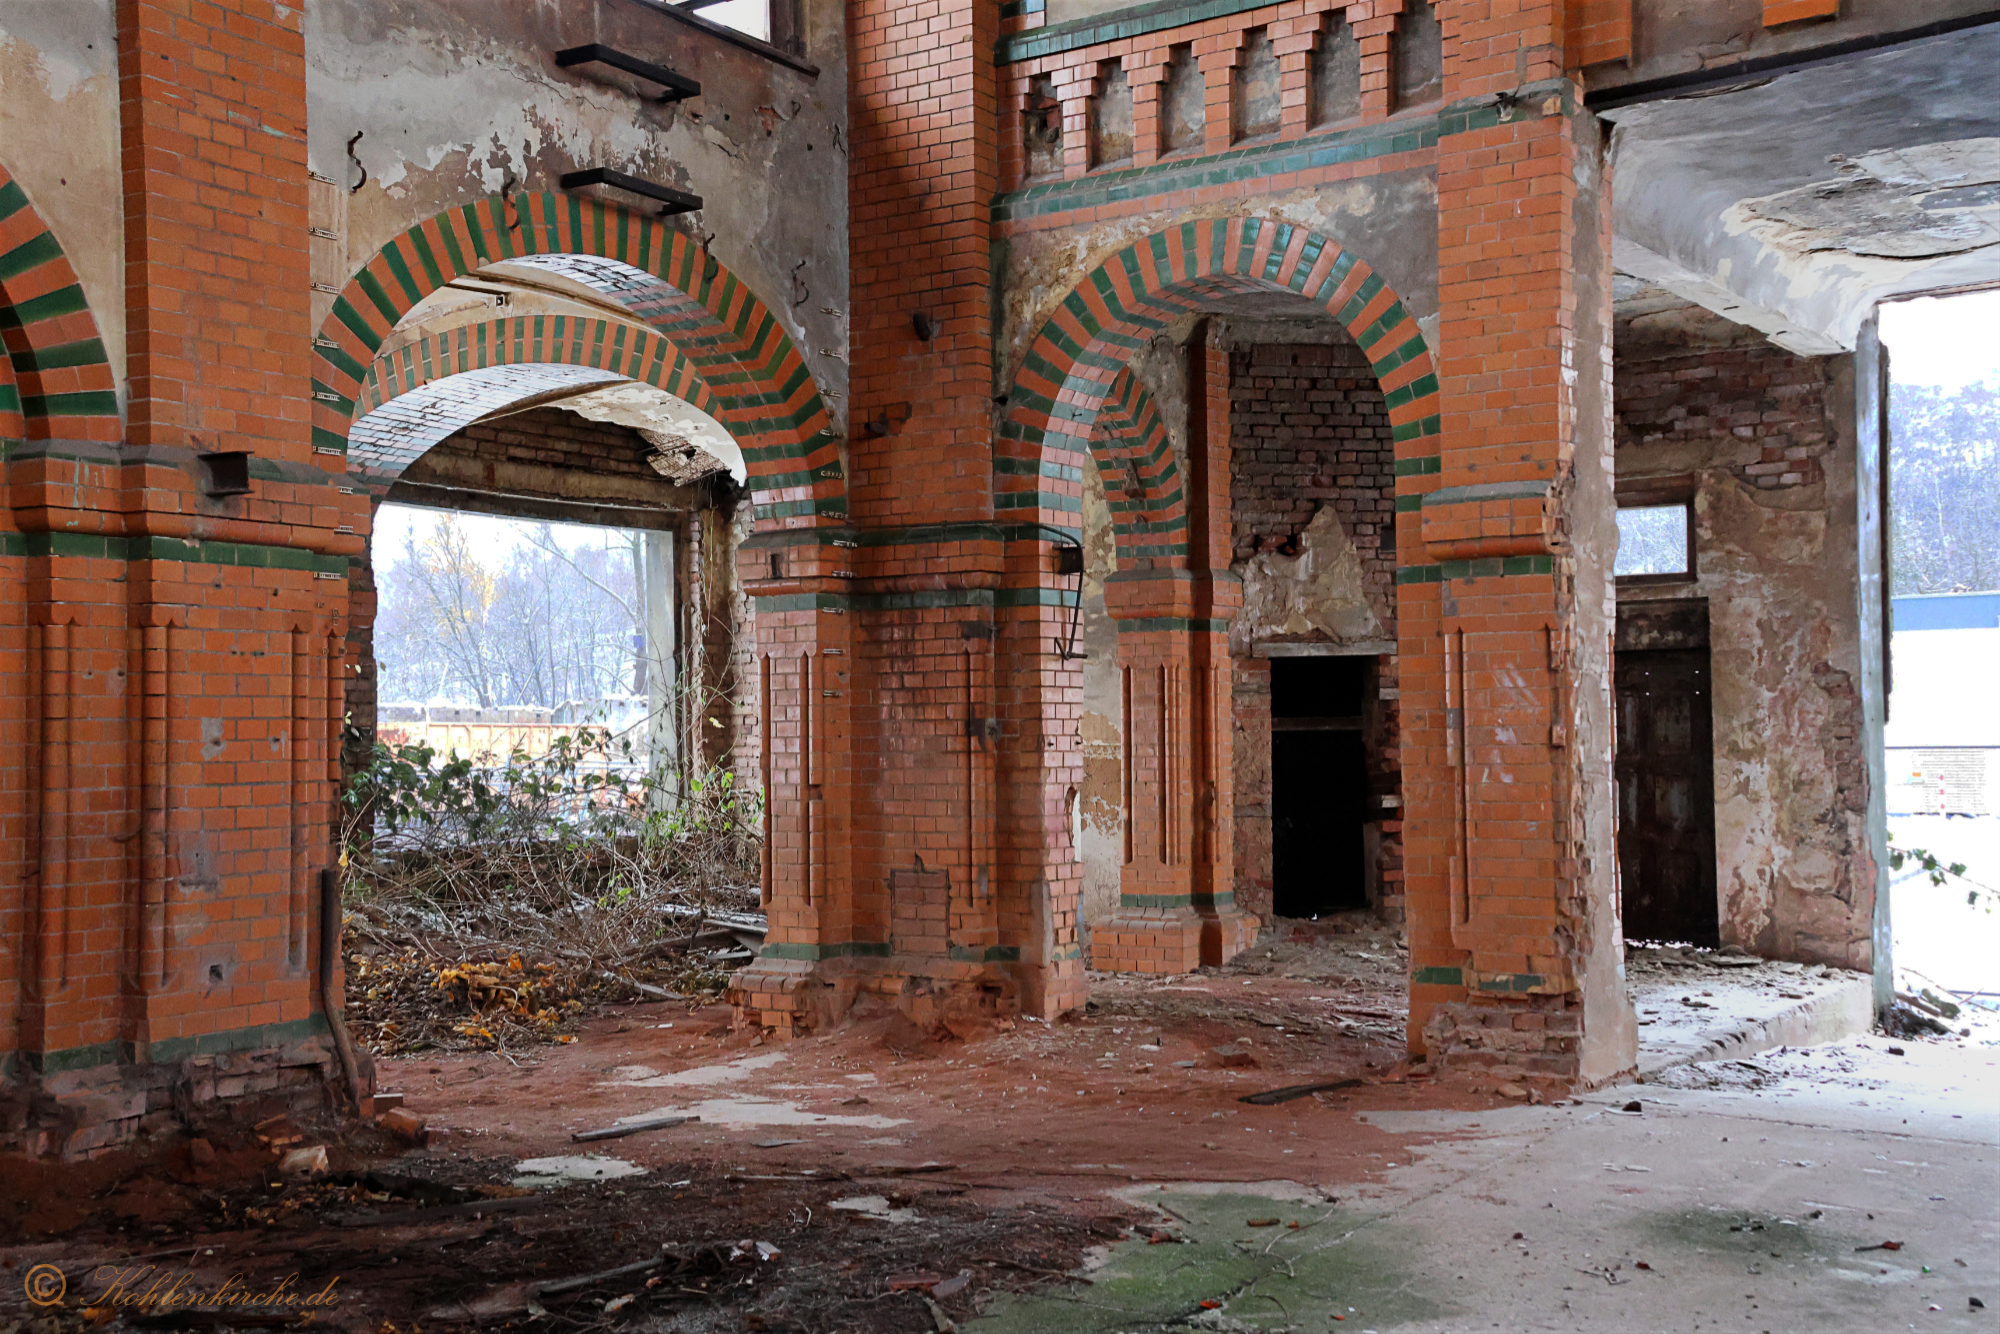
(1111, 117)
(1256, 100)
(1336, 74)
(1041, 128)
(1419, 52)
(1183, 102)
(1319, 784)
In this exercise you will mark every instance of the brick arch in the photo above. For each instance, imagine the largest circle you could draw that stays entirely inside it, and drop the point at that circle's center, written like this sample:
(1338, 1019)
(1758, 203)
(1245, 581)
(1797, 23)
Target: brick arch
(1142, 481)
(521, 340)
(1076, 360)
(59, 385)
(761, 388)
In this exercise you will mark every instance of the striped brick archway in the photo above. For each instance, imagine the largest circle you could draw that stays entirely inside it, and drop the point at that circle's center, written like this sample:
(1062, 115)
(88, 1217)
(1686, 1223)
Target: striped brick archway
(758, 386)
(1173, 597)
(1075, 366)
(621, 350)
(57, 384)
(1143, 486)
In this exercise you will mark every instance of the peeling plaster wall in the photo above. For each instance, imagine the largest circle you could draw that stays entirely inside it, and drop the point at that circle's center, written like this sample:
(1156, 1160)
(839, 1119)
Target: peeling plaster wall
(59, 139)
(1769, 439)
(456, 99)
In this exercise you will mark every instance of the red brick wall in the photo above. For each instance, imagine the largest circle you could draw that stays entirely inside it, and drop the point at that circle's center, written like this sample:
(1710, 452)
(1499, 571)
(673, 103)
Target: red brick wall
(1311, 430)
(217, 288)
(1768, 406)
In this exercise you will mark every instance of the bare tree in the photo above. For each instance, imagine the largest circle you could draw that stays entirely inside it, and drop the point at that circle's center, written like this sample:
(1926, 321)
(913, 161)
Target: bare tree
(1944, 488)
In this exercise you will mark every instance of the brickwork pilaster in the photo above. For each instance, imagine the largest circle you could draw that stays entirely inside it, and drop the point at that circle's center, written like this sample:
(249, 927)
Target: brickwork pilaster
(1505, 711)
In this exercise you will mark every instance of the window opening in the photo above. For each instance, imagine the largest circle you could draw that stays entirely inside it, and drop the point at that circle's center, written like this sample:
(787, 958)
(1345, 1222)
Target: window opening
(1655, 542)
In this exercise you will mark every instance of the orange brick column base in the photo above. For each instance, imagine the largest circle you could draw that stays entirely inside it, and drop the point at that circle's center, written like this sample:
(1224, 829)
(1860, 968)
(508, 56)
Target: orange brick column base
(1177, 908)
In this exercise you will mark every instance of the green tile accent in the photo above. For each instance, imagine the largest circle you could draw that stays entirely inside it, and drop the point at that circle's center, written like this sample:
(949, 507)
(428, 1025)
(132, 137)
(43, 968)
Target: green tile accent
(174, 1050)
(30, 254)
(1409, 504)
(1155, 901)
(1325, 149)
(1196, 624)
(1420, 574)
(86, 403)
(92, 546)
(847, 949)
(1416, 430)
(988, 954)
(1512, 982)
(1425, 466)
(1130, 22)
(1435, 976)
(1498, 567)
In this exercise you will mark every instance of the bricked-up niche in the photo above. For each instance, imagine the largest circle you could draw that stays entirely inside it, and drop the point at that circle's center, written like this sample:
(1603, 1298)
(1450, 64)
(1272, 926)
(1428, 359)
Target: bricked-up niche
(1256, 103)
(1336, 72)
(1311, 434)
(1311, 430)
(1419, 53)
(1111, 117)
(1042, 127)
(1183, 100)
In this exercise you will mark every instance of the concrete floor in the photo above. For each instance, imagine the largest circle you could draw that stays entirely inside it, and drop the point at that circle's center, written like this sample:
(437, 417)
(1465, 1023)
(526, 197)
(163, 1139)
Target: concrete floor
(1741, 1207)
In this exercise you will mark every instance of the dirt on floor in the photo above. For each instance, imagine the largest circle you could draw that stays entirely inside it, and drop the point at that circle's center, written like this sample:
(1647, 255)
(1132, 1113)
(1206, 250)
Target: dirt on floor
(872, 1178)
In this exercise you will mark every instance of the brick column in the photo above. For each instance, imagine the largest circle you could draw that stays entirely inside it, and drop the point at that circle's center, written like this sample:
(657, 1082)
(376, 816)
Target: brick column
(917, 749)
(1177, 905)
(1515, 948)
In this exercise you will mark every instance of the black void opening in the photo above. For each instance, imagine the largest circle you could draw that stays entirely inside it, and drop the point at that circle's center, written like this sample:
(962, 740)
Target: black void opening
(1319, 784)
(1665, 765)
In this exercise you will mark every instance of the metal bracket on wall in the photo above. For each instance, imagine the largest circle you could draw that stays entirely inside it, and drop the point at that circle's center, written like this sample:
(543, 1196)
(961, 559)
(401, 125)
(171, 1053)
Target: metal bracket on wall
(678, 87)
(674, 201)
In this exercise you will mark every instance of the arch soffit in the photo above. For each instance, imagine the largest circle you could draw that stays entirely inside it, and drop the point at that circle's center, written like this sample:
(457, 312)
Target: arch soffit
(1142, 482)
(519, 340)
(1081, 350)
(759, 385)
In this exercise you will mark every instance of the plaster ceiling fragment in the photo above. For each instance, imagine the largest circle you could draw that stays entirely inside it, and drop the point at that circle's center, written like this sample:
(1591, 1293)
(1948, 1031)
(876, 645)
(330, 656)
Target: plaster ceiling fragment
(1921, 202)
(673, 426)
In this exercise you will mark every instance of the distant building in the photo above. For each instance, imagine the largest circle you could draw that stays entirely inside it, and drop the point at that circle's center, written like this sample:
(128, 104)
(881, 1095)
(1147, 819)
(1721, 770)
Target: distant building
(1942, 741)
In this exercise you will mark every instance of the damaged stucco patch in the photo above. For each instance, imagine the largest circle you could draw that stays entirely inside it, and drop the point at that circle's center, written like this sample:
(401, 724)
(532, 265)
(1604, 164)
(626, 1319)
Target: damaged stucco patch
(1318, 594)
(1100, 815)
(1776, 562)
(1910, 203)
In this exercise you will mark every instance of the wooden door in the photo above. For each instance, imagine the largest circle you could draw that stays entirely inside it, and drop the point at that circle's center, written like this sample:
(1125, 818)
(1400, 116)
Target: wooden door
(1666, 796)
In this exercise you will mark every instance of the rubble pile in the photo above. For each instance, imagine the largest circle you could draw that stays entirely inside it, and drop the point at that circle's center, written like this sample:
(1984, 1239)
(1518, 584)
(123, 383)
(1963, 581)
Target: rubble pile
(501, 906)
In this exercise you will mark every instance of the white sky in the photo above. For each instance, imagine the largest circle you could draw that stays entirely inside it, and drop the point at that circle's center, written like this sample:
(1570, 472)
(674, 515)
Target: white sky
(491, 537)
(1949, 341)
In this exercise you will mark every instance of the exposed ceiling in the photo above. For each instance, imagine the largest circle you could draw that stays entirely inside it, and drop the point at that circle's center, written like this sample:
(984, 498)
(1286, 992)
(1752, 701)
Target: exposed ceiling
(1793, 203)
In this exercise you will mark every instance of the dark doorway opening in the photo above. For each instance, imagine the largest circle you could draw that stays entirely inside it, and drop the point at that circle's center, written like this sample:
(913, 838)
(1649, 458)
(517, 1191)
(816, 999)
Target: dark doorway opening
(1319, 784)
(1665, 770)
